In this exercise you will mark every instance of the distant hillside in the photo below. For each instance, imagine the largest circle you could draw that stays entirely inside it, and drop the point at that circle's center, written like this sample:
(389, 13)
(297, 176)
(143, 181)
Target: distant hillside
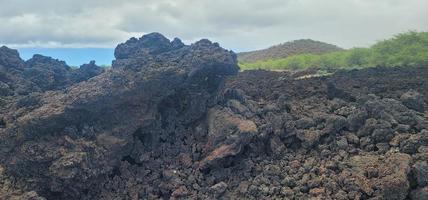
(405, 49)
(306, 46)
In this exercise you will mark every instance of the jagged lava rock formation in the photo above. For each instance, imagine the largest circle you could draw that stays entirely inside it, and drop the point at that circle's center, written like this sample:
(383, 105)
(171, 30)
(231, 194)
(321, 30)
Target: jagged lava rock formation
(39, 73)
(176, 121)
(82, 133)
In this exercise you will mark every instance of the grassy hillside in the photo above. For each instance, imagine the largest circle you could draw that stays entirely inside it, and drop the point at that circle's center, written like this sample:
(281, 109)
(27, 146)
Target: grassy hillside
(288, 49)
(409, 48)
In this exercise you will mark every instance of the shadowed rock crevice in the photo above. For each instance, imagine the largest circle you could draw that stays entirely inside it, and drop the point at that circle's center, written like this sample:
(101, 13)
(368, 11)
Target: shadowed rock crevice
(2, 123)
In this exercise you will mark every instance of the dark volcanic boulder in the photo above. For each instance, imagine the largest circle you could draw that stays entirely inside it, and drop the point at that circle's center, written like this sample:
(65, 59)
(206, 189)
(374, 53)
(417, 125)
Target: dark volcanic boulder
(136, 50)
(420, 171)
(10, 58)
(11, 66)
(228, 134)
(87, 71)
(52, 74)
(155, 48)
(81, 134)
(39, 74)
(153, 43)
(47, 73)
(413, 100)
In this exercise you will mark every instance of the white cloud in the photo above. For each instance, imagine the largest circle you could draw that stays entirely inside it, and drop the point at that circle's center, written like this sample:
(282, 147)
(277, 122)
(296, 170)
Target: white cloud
(238, 24)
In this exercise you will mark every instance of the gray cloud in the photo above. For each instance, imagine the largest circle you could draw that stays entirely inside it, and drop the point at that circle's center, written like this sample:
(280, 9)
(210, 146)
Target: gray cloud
(238, 24)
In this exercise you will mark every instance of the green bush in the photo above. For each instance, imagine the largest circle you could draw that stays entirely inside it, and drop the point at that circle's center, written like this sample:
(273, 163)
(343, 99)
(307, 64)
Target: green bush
(409, 48)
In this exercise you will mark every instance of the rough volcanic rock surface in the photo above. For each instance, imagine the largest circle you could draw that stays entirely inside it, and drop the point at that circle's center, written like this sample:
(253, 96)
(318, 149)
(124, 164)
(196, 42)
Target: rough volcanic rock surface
(175, 121)
(38, 74)
(81, 134)
(353, 135)
(11, 73)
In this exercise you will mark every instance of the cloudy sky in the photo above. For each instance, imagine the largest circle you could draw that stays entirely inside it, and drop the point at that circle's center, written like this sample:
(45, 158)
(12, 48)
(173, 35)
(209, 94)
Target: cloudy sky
(236, 24)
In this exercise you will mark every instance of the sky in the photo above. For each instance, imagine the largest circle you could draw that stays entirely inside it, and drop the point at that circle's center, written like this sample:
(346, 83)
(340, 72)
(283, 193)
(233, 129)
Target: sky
(78, 30)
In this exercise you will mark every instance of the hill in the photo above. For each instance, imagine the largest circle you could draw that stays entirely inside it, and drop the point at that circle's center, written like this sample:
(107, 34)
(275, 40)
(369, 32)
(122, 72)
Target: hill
(287, 49)
(410, 49)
